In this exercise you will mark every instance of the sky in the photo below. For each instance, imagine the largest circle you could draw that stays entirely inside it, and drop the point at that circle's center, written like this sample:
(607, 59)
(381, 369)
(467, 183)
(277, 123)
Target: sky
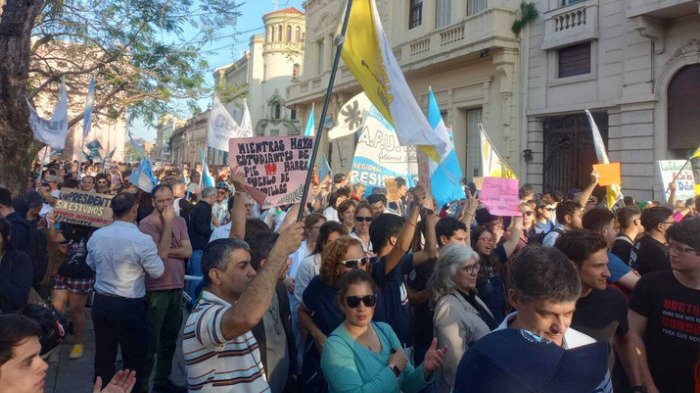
(228, 49)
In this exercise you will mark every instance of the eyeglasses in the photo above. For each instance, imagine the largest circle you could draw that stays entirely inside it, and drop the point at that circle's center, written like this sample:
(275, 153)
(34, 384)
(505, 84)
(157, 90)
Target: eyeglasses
(221, 192)
(683, 250)
(551, 209)
(367, 219)
(354, 301)
(355, 263)
(101, 182)
(528, 213)
(471, 269)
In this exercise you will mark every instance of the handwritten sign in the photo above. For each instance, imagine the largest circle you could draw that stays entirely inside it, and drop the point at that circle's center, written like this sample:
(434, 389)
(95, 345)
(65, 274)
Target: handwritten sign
(276, 166)
(609, 173)
(83, 208)
(500, 196)
(685, 180)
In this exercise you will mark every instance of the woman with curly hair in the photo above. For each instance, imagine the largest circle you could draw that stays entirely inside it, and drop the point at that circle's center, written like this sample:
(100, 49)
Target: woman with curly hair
(319, 312)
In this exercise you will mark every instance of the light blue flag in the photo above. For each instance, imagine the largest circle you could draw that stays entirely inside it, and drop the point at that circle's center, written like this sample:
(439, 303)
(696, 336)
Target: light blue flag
(325, 168)
(445, 176)
(139, 148)
(143, 177)
(207, 180)
(88, 107)
(309, 131)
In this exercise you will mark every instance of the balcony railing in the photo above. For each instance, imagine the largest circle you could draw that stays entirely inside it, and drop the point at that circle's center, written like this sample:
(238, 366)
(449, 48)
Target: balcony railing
(571, 24)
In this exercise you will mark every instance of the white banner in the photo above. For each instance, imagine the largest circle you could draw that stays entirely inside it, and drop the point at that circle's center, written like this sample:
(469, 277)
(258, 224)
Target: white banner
(222, 127)
(379, 155)
(51, 132)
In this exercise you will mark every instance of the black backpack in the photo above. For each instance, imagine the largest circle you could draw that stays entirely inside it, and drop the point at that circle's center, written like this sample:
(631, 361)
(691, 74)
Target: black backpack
(538, 238)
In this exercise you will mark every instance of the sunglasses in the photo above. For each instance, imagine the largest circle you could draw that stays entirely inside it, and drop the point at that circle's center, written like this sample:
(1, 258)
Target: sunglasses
(101, 182)
(354, 301)
(528, 213)
(221, 192)
(367, 219)
(355, 263)
(551, 209)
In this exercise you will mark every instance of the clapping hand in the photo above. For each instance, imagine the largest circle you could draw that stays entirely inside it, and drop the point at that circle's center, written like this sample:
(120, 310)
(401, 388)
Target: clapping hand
(122, 382)
(433, 358)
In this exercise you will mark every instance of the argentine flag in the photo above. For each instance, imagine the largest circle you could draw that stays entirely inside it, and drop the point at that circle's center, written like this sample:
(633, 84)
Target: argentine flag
(445, 176)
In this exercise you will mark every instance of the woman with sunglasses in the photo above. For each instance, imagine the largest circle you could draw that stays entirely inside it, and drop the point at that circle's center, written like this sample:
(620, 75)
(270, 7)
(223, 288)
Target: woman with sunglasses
(363, 217)
(543, 215)
(361, 355)
(461, 317)
(319, 313)
(103, 185)
(528, 231)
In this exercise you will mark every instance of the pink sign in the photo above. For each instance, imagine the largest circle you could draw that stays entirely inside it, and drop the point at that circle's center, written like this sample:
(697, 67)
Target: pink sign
(276, 166)
(500, 196)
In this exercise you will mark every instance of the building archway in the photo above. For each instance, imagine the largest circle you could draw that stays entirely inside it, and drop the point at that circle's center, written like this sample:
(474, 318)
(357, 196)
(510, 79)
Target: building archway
(683, 95)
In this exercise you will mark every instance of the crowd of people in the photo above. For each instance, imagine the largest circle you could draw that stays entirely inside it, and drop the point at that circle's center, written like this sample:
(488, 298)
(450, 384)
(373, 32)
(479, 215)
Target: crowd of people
(365, 294)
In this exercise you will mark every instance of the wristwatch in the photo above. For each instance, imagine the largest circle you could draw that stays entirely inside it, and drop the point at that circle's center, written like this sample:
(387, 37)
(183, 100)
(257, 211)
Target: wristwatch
(638, 389)
(396, 370)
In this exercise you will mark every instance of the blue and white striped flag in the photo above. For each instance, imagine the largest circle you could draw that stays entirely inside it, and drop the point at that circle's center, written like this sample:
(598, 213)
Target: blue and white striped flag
(88, 107)
(206, 179)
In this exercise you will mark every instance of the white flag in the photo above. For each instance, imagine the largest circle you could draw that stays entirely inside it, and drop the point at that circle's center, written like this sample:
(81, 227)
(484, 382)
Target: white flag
(246, 123)
(222, 127)
(492, 164)
(613, 193)
(52, 132)
(351, 117)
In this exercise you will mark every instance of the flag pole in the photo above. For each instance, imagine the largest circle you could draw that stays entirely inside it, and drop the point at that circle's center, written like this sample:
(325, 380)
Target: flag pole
(41, 169)
(319, 129)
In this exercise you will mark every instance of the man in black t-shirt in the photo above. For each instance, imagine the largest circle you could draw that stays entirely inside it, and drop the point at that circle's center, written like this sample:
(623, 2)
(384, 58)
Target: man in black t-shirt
(664, 317)
(650, 254)
(601, 311)
(391, 238)
(630, 220)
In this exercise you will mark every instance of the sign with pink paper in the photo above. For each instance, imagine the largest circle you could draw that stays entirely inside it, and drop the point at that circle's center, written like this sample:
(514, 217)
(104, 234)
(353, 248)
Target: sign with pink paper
(275, 166)
(500, 196)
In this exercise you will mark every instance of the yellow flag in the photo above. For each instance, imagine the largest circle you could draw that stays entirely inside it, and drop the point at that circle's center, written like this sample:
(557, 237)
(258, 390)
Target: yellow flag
(695, 164)
(613, 193)
(368, 55)
(492, 164)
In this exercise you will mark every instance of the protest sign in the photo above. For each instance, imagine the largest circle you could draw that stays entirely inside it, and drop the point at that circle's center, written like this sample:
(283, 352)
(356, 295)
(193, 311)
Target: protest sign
(500, 196)
(424, 173)
(379, 155)
(609, 173)
(685, 179)
(392, 190)
(83, 208)
(276, 166)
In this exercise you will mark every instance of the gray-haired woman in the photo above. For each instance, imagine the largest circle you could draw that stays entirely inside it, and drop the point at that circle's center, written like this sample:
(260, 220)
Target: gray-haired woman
(460, 316)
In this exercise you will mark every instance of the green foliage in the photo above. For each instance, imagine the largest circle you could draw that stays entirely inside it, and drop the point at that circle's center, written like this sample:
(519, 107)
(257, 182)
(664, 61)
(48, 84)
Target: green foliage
(146, 54)
(528, 13)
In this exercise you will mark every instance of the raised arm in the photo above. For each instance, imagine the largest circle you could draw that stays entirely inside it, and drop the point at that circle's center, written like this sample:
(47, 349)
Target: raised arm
(256, 299)
(237, 211)
(516, 228)
(583, 198)
(167, 235)
(406, 235)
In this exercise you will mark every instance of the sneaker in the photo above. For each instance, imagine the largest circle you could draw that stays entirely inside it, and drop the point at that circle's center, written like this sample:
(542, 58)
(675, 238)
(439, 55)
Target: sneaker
(168, 387)
(76, 352)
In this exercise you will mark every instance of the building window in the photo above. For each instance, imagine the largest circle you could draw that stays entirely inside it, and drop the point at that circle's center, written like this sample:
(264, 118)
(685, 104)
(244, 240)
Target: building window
(278, 111)
(297, 34)
(294, 114)
(683, 115)
(575, 60)
(271, 38)
(319, 64)
(274, 132)
(567, 2)
(444, 7)
(279, 33)
(415, 14)
(474, 6)
(295, 71)
(289, 33)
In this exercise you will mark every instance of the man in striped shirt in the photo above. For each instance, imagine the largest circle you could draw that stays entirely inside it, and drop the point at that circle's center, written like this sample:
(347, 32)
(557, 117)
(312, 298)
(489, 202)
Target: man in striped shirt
(221, 354)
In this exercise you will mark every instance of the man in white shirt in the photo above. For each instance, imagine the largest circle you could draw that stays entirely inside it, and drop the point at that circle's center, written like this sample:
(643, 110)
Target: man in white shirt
(121, 255)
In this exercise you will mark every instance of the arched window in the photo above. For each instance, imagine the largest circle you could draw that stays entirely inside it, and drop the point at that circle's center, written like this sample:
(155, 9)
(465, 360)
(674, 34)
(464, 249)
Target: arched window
(278, 111)
(295, 71)
(683, 114)
(279, 33)
(298, 34)
(289, 33)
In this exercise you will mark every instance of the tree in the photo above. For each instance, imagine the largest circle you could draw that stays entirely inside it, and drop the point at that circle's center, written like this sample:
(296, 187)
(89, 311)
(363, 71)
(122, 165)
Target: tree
(145, 55)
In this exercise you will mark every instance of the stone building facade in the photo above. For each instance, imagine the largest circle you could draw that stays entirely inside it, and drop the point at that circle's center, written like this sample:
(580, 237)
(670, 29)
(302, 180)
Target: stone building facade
(189, 138)
(261, 77)
(635, 64)
(465, 51)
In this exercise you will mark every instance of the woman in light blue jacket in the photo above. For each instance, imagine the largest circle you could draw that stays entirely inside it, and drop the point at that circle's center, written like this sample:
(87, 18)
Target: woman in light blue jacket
(366, 357)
